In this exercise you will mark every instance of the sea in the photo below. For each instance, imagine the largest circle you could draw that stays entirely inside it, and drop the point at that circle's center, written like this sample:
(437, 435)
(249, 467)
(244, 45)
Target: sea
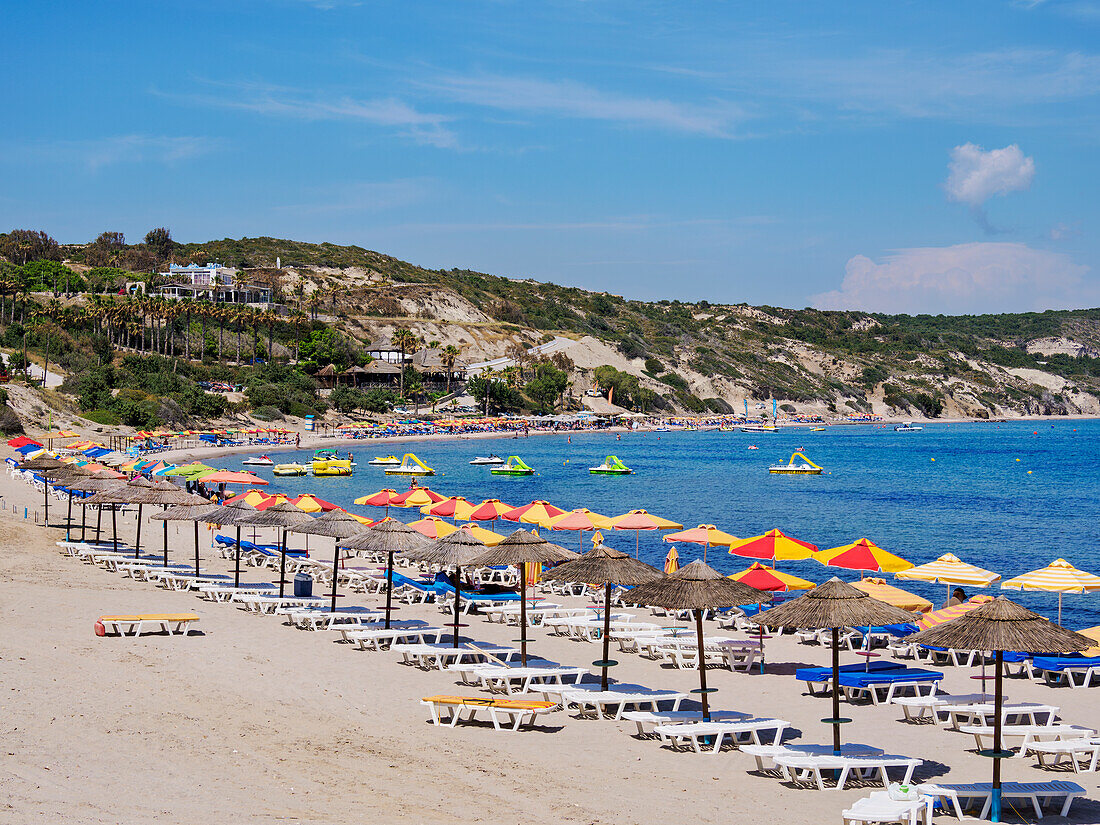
(1010, 497)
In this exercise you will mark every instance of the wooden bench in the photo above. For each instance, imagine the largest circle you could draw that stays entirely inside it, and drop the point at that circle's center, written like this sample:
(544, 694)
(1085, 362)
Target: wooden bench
(448, 710)
(133, 625)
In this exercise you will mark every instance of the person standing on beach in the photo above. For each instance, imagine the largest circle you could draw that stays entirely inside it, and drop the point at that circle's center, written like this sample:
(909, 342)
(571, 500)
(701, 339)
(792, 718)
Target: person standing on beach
(297, 439)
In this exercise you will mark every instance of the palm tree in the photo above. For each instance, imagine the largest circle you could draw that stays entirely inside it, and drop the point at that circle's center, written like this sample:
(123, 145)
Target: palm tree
(406, 341)
(449, 354)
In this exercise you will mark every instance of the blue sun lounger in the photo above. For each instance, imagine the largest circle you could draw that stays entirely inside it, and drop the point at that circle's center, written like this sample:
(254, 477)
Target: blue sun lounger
(413, 589)
(823, 676)
(1058, 670)
(470, 599)
(860, 685)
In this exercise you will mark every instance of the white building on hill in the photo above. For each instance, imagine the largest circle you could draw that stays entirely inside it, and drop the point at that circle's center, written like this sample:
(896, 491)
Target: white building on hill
(212, 282)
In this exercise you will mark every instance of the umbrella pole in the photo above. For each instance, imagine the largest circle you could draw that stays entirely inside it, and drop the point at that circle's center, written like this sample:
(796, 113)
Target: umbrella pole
(98, 520)
(836, 691)
(237, 560)
(83, 519)
(335, 563)
(606, 635)
(998, 703)
(282, 565)
(196, 548)
(389, 587)
(637, 539)
(523, 613)
(458, 590)
(137, 537)
(114, 525)
(46, 499)
(164, 540)
(1059, 608)
(69, 525)
(701, 663)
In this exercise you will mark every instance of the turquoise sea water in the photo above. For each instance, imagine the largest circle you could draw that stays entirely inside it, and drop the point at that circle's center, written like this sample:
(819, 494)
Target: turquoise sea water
(959, 488)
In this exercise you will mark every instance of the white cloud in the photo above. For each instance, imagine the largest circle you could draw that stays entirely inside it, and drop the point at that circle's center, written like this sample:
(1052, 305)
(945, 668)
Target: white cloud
(568, 98)
(964, 279)
(95, 153)
(974, 175)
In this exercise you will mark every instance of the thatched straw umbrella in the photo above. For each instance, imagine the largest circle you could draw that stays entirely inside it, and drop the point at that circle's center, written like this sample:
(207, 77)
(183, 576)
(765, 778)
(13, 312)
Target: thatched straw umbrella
(522, 548)
(457, 550)
(1002, 625)
(834, 604)
(387, 536)
(232, 513)
(603, 565)
(196, 510)
(92, 484)
(40, 465)
(132, 492)
(167, 494)
(64, 476)
(697, 587)
(338, 524)
(284, 515)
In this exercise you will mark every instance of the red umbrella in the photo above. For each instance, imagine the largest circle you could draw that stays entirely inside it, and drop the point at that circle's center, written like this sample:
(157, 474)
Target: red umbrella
(490, 510)
(540, 511)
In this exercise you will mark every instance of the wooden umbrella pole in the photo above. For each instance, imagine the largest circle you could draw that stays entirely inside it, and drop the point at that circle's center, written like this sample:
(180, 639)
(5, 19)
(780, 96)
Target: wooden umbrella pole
(458, 591)
(164, 540)
(282, 566)
(237, 565)
(137, 537)
(701, 663)
(46, 500)
(606, 633)
(998, 703)
(69, 525)
(98, 521)
(523, 613)
(389, 587)
(836, 691)
(335, 564)
(114, 525)
(83, 519)
(196, 547)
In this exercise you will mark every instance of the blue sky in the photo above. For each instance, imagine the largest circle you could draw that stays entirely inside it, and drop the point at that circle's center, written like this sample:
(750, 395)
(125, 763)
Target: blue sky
(893, 156)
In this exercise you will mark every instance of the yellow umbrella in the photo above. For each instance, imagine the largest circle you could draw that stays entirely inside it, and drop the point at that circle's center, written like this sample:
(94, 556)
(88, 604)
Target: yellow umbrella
(949, 569)
(672, 561)
(1057, 577)
(580, 520)
(774, 545)
(638, 520)
(433, 527)
(486, 537)
(767, 578)
(1094, 634)
(455, 507)
(879, 589)
(863, 556)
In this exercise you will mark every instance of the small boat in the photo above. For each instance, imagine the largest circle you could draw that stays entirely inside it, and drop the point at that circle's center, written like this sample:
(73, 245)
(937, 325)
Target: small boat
(806, 468)
(410, 466)
(611, 466)
(513, 467)
(758, 428)
(907, 427)
(817, 429)
(384, 461)
(291, 469)
(259, 461)
(491, 459)
(331, 467)
(753, 447)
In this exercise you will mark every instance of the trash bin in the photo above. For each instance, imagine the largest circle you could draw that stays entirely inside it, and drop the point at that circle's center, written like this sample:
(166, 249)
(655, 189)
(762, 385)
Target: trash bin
(303, 585)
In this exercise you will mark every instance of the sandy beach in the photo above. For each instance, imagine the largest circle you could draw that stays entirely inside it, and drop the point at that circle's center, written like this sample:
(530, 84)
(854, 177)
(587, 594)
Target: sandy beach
(251, 720)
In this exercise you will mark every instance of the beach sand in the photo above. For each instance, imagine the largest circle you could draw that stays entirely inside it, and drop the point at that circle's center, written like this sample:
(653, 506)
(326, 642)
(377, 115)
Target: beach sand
(253, 721)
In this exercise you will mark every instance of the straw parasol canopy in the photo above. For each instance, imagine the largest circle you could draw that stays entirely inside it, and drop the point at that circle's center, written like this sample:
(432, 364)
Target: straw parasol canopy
(698, 587)
(834, 604)
(1002, 625)
(230, 513)
(195, 510)
(286, 516)
(134, 491)
(337, 524)
(606, 566)
(45, 462)
(457, 550)
(387, 536)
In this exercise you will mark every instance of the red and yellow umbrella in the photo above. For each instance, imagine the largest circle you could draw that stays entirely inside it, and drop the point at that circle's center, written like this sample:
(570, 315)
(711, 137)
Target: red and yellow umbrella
(271, 501)
(537, 512)
(490, 510)
(579, 520)
(455, 507)
(774, 545)
(313, 504)
(253, 497)
(948, 613)
(486, 537)
(763, 577)
(863, 556)
(417, 497)
(705, 534)
(433, 527)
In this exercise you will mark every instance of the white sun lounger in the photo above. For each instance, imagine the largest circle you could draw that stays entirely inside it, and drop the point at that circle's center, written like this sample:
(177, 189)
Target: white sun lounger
(448, 710)
(1026, 734)
(309, 618)
(264, 604)
(615, 703)
(800, 767)
(1050, 754)
(919, 708)
(982, 713)
(435, 656)
(135, 625)
(513, 680)
(694, 733)
(768, 752)
(1035, 792)
(215, 592)
(879, 808)
(378, 638)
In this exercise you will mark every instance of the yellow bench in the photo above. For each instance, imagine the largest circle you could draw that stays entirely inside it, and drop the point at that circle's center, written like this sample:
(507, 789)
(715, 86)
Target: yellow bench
(134, 624)
(448, 710)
